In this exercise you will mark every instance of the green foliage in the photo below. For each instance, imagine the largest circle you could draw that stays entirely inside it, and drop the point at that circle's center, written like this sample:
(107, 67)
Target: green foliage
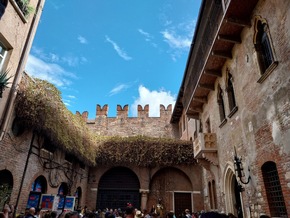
(39, 107)
(144, 151)
(4, 78)
(25, 7)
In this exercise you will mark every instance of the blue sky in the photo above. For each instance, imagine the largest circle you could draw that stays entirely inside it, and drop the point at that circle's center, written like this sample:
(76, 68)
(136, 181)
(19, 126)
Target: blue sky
(114, 52)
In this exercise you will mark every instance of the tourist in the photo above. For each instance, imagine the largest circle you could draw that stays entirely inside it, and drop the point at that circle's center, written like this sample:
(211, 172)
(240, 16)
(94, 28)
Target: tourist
(129, 211)
(31, 213)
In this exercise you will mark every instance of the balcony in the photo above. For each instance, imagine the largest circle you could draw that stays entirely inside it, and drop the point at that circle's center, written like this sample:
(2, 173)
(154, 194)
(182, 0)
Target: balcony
(205, 147)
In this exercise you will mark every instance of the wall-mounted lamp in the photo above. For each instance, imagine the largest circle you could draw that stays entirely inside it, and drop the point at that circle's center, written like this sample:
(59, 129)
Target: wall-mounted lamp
(239, 168)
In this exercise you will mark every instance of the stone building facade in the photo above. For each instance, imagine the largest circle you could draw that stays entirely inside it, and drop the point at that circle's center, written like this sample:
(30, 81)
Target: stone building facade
(233, 102)
(235, 96)
(178, 187)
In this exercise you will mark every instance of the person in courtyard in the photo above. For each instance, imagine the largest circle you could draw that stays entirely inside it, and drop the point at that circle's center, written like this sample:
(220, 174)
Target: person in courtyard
(31, 213)
(129, 211)
(187, 213)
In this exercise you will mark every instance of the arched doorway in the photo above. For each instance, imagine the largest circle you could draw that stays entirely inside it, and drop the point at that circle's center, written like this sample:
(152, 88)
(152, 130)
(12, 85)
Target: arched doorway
(78, 196)
(174, 188)
(39, 185)
(117, 187)
(6, 186)
(232, 191)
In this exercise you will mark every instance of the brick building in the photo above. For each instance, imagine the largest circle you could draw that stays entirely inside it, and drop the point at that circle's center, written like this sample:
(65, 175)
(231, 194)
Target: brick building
(233, 102)
(235, 96)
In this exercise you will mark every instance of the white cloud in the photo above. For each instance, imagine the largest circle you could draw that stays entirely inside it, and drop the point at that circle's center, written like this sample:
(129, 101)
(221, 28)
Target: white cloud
(51, 72)
(117, 48)
(82, 40)
(69, 59)
(176, 41)
(118, 89)
(154, 99)
(178, 37)
(71, 96)
(147, 35)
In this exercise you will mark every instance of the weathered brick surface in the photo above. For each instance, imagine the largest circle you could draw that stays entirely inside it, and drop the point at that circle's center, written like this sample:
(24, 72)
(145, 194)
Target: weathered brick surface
(260, 128)
(122, 125)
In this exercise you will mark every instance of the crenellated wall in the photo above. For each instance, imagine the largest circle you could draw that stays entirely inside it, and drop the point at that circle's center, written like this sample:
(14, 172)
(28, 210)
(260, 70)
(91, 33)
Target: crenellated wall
(122, 125)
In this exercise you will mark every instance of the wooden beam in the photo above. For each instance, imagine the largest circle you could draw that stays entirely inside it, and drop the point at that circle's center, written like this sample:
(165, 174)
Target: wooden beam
(230, 38)
(195, 109)
(193, 116)
(216, 73)
(206, 86)
(200, 99)
(222, 54)
(238, 22)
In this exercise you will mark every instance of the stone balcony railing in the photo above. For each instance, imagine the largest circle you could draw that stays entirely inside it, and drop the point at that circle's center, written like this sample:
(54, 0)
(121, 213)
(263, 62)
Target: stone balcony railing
(205, 147)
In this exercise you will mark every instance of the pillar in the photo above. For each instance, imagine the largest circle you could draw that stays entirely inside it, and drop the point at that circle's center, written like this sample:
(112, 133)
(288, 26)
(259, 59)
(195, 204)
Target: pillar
(144, 198)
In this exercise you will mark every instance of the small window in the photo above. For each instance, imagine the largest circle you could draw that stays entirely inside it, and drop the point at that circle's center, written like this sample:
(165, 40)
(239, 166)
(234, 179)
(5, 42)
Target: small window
(220, 101)
(273, 190)
(69, 158)
(231, 95)
(264, 48)
(207, 126)
(48, 146)
(17, 127)
(3, 54)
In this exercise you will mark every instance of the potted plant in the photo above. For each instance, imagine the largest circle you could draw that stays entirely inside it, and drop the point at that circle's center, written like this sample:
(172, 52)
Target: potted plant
(4, 81)
(24, 7)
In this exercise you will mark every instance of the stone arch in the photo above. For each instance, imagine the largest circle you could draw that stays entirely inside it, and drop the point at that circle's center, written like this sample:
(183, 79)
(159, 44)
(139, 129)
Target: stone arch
(117, 187)
(166, 186)
(6, 186)
(232, 194)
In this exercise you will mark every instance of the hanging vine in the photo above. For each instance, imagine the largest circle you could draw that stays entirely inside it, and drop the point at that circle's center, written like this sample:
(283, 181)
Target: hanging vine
(39, 107)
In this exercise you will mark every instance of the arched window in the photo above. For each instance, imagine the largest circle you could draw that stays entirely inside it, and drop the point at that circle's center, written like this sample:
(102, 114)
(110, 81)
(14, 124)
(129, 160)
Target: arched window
(264, 47)
(210, 195)
(273, 190)
(6, 185)
(214, 194)
(221, 104)
(78, 196)
(39, 185)
(63, 189)
(231, 95)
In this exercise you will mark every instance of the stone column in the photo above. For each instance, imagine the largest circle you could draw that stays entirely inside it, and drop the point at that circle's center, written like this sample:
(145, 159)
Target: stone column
(144, 198)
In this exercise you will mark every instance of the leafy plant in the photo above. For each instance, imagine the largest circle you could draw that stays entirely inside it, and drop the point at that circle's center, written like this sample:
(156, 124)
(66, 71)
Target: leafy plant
(4, 81)
(25, 7)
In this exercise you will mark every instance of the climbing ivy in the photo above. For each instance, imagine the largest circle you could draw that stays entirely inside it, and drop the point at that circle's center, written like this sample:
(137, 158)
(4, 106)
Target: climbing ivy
(39, 106)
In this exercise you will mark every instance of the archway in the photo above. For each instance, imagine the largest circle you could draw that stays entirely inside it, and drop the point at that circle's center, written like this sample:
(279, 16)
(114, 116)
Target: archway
(39, 185)
(232, 192)
(6, 186)
(175, 195)
(63, 189)
(78, 196)
(117, 187)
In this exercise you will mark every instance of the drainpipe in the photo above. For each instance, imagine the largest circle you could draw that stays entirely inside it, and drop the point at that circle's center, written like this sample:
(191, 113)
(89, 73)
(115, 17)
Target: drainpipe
(25, 51)
(24, 173)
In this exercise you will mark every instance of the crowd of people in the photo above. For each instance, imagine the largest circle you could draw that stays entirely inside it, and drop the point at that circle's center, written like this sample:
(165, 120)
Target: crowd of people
(128, 212)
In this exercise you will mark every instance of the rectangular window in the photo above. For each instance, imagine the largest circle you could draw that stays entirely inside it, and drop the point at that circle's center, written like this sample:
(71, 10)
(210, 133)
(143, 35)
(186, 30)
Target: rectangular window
(3, 53)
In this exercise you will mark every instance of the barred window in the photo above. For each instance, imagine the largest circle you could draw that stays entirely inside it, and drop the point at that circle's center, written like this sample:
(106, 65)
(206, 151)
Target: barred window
(273, 190)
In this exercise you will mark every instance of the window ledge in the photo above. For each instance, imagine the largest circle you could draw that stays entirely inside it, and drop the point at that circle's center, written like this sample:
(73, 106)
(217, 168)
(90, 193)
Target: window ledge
(269, 70)
(19, 12)
(223, 123)
(234, 110)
